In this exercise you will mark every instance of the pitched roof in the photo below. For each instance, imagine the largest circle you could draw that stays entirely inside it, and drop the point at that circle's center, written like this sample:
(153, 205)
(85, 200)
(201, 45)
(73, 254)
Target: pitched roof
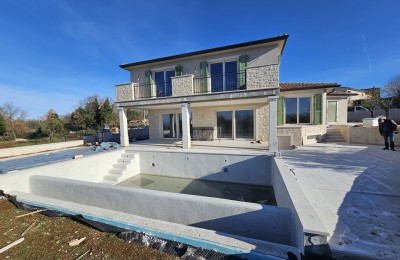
(305, 86)
(234, 46)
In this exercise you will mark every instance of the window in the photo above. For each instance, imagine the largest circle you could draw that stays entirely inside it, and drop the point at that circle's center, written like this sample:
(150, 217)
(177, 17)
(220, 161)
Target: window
(163, 82)
(298, 110)
(224, 76)
(237, 124)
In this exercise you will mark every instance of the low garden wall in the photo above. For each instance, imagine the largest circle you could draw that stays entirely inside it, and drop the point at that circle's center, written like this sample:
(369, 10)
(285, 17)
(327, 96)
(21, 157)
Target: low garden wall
(363, 135)
(24, 150)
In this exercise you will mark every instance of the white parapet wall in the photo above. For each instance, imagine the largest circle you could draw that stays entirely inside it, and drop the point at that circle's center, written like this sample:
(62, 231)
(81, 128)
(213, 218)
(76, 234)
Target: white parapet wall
(31, 149)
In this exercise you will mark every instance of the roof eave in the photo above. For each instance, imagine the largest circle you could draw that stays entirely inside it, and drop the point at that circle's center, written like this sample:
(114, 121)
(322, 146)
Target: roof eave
(195, 53)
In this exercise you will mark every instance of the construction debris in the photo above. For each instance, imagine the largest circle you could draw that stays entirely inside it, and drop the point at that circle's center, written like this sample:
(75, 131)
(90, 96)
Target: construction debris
(26, 230)
(76, 242)
(83, 255)
(16, 242)
(30, 213)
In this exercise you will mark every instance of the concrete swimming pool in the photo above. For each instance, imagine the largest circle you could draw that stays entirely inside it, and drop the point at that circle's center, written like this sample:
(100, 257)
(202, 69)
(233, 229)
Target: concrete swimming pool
(94, 188)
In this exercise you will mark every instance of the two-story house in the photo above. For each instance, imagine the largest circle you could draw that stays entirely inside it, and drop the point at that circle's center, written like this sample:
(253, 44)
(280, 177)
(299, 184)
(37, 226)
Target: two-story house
(228, 92)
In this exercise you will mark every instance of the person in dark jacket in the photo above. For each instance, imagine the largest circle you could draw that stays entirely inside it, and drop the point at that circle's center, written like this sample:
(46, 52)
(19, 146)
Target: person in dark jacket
(387, 129)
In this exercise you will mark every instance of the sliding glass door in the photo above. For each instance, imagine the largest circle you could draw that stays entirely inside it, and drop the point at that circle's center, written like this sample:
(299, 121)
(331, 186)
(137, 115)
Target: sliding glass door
(238, 124)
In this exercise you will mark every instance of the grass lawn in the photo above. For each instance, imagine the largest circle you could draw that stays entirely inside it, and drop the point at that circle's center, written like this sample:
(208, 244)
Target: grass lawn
(49, 239)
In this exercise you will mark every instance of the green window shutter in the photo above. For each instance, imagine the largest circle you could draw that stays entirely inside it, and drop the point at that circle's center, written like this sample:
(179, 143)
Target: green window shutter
(317, 109)
(203, 76)
(148, 83)
(280, 110)
(242, 71)
(178, 70)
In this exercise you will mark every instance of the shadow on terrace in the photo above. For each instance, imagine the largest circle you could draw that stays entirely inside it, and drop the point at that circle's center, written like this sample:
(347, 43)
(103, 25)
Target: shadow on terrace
(355, 190)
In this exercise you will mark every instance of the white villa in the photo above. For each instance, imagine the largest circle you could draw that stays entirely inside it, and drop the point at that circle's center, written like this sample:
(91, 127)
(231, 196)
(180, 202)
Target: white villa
(231, 92)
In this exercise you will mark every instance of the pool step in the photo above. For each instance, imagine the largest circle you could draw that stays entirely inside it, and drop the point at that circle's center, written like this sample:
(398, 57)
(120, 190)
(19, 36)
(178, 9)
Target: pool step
(118, 169)
(121, 166)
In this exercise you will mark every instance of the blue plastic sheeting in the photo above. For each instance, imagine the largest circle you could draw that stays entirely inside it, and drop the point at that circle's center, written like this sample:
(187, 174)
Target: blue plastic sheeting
(19, 163)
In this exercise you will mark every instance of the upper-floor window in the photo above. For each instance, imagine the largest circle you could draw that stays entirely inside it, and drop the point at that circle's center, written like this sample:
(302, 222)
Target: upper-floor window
(163, 82)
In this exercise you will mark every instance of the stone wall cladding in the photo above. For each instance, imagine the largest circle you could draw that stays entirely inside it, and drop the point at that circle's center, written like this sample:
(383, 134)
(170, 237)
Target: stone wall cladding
(263, 77)
(182, 85)
(124, 92)
(262, 123)
(202, 117)
(154, 125)
(295, 132)
(300, 133)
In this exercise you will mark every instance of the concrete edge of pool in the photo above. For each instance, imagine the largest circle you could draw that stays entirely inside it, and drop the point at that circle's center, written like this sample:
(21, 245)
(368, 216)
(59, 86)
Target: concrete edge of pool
(287, 192)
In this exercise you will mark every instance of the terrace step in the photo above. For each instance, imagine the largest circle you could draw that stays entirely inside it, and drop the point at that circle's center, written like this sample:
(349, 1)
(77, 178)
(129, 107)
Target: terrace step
(333, 135)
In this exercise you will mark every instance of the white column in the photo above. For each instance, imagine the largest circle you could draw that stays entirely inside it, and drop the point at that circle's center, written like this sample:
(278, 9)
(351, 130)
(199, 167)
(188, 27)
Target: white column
(324, 112)
(186, 125)
(273, 121)
(123, 127)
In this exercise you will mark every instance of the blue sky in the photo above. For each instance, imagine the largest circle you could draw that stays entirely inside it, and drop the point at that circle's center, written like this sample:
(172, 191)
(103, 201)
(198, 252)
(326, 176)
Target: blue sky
(55, 53)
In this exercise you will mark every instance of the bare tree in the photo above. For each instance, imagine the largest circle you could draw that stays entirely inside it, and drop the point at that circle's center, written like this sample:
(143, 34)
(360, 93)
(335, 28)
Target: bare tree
(373, 101)
(390, 92)
(13, 116)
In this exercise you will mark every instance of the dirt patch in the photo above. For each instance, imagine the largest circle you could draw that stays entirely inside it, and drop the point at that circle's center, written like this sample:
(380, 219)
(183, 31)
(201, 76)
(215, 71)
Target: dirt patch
(49, 238)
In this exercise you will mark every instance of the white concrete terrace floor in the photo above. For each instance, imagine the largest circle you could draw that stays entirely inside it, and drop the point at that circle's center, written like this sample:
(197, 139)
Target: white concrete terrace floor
(354, 189)
(356, 192)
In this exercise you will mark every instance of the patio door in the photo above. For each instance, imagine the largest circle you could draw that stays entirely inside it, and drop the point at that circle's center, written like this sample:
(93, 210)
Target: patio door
(163, 82)
(170, 129)
(172, 125)
(224, 76)
(238, 124)
(332, 111)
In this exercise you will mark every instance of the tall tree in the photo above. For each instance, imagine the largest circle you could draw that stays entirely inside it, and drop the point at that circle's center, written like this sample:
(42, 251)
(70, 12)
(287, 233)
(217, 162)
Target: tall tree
(2, 125)
(11, 115)
(92, 112)
(52, 123)
(78, 121)
(107, 114)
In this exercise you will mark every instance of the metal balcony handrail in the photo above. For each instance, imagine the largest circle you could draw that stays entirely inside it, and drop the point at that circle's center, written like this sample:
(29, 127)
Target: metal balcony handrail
(146, 90)
(220, 82)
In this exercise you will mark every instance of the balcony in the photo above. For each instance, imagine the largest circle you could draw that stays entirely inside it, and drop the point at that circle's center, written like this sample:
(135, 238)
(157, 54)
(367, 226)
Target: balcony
(219, 83)
(157, 89)
(253, 78)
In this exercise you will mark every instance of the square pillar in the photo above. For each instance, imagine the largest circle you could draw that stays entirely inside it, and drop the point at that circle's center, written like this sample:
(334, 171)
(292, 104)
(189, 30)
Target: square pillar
(273, 122)
(186, 140)
(123, 127)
